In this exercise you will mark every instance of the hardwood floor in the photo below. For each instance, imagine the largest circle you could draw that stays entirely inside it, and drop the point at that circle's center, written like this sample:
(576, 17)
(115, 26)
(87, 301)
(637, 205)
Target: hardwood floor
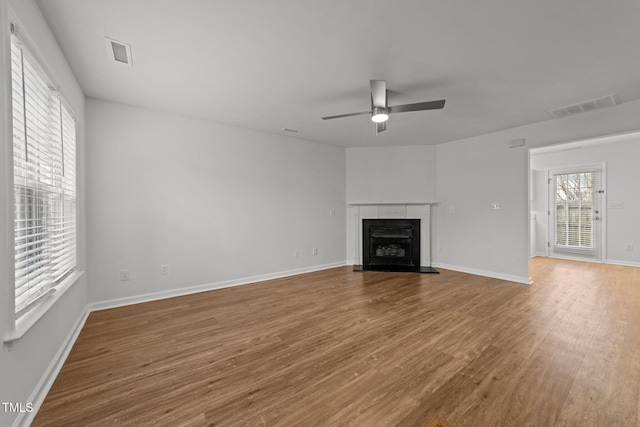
(338, 347)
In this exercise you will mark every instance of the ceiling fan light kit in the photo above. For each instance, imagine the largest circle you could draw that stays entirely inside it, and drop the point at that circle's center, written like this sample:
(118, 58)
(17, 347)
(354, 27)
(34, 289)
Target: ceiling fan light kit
(379, 115)
(379, 110)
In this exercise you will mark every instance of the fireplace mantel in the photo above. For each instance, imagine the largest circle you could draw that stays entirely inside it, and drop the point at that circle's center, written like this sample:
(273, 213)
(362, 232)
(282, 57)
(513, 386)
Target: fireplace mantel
(372, 210)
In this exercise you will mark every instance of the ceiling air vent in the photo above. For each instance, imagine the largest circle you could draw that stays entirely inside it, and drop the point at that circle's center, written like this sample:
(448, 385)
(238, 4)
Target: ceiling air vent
(120, 52)
(583, 107)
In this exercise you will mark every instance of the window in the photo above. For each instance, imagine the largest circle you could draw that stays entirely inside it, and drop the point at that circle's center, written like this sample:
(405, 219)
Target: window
(575, 212)
(44, 182)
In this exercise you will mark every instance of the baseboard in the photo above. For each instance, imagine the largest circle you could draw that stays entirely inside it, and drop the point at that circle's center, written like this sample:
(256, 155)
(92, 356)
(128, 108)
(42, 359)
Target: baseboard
(120, 302)
(607, 261)
(624, 263)
(45, 383)
(575, 258)
(492, 274)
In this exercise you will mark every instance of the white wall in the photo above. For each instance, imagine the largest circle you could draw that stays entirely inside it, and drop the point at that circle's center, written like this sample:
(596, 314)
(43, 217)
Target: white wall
(470, 236)
(27, 362)
(622, 178)
(215, 203)
(474, 172)
(405, 174)
(538, 206)
(391, 174)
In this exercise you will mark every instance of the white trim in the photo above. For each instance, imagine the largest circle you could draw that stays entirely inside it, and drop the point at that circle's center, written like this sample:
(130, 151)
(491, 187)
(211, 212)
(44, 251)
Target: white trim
(492, 274)
(46, 381)
(7, 134)
(607, 261)
(602, 168)
(574, 258)
(154, 296)
(624, 263)
(580, 143)
(24, 323)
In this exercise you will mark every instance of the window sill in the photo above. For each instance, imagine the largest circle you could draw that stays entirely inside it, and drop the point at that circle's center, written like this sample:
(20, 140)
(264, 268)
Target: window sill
(25, 323)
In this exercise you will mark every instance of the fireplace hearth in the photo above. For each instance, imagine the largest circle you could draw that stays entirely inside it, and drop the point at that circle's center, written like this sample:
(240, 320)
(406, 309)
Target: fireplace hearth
(392, 245)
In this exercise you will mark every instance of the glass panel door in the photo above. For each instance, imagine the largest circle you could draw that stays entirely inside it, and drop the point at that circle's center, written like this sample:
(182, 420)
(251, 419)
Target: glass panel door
(576, 213)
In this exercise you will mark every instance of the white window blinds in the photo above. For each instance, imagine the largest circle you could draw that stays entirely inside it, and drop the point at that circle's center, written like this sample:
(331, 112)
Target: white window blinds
(44, 165)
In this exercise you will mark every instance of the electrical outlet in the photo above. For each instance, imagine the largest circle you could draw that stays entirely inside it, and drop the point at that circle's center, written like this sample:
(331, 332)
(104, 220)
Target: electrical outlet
(124, 275)
(164, 269)
(452, 209)
(332, 212)
(296, 254)
(630, 248)
(315, 251)
(496, 206)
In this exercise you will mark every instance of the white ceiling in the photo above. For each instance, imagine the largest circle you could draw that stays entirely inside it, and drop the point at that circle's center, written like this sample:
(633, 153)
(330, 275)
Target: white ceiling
(267, 65)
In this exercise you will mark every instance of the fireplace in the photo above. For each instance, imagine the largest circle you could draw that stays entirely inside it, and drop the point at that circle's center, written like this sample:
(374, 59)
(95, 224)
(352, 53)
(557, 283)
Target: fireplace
(401, 238)
(391, 244)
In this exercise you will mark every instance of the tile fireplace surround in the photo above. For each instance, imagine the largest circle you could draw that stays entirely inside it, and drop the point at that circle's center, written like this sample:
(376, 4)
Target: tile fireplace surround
(360, 211)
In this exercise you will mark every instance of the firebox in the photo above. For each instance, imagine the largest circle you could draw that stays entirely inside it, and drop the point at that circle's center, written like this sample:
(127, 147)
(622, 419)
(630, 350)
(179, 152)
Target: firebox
(391, 244)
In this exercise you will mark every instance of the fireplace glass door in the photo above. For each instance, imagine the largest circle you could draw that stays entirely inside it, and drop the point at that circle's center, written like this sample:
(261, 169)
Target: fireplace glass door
(391, 243)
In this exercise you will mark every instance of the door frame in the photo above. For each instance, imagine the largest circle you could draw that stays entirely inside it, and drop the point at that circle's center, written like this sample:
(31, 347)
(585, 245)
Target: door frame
(603, 209)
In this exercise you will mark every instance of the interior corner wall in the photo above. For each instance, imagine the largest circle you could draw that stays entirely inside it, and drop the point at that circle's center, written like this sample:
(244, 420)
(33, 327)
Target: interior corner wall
(622, 202)
(475, 172)
(25, 366)
(214, 203)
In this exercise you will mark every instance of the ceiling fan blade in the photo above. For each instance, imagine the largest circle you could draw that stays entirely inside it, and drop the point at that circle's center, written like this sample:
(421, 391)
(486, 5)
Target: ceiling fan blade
(430, 105)
(381, 127)
(378, 93)
(346, 115)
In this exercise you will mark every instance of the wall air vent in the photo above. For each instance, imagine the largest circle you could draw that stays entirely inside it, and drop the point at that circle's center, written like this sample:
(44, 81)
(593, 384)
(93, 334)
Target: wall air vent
(119, 52)
(583, 107)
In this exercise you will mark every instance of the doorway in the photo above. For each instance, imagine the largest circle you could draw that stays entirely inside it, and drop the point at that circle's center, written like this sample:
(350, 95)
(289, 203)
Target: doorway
(616, 236)
(575, 213)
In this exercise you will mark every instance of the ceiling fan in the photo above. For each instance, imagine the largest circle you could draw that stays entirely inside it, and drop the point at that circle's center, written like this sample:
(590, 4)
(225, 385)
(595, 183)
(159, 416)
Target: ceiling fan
(379, 110)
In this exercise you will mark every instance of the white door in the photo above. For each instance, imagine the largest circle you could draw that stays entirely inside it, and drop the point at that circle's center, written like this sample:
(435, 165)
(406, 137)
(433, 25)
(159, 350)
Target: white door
(575, 213)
